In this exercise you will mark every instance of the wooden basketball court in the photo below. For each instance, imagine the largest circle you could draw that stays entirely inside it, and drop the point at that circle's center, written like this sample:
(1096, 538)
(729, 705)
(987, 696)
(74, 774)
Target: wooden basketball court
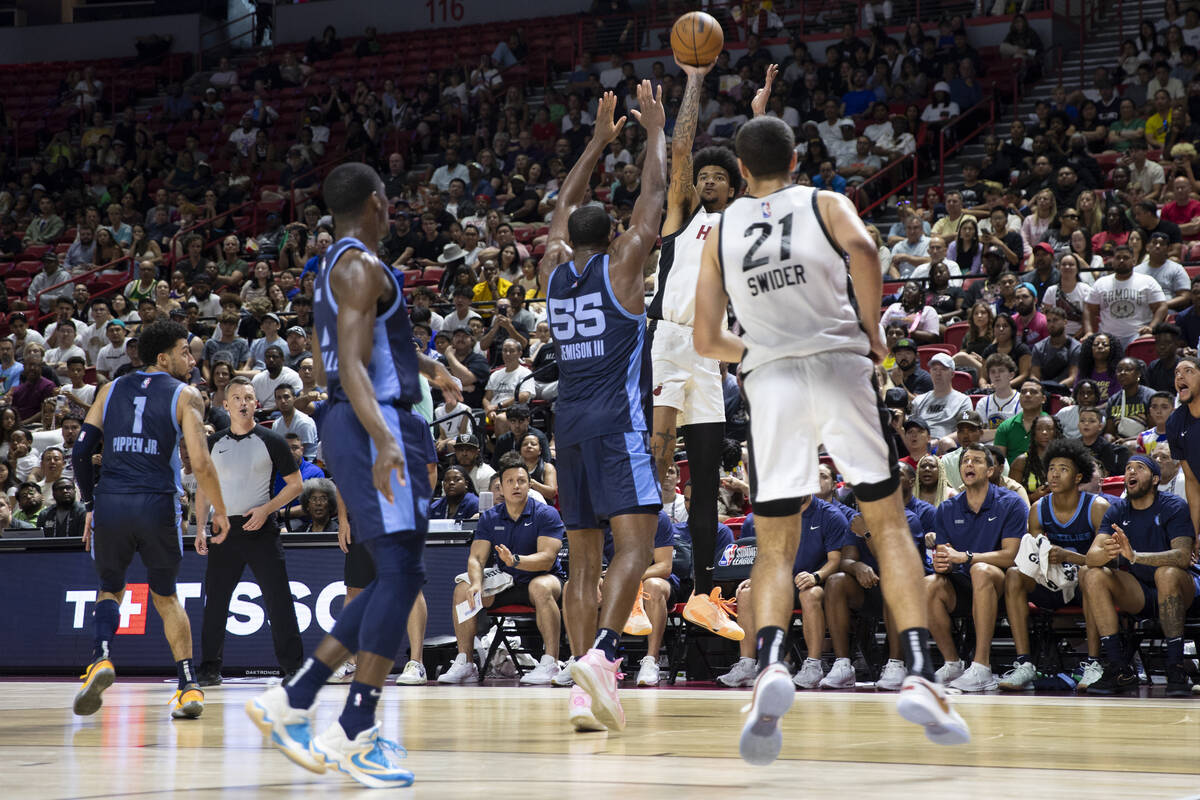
(505, 741)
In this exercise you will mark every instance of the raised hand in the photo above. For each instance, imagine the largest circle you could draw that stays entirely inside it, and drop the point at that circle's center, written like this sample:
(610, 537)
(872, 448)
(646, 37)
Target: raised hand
(650, 111)
(606, 130)
(759, 104)
(689, 70)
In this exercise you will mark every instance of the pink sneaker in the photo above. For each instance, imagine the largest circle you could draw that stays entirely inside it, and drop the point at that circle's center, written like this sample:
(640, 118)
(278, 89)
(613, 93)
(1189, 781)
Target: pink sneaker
(580, 711)
(597, 676)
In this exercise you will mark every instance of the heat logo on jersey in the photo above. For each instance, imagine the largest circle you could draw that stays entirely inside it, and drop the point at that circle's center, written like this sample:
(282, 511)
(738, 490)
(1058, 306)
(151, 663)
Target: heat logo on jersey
(702, 232)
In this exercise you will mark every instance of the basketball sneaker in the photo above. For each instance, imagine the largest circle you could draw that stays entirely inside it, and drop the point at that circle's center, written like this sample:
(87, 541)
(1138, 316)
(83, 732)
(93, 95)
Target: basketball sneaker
(189, 702)
(1115, 679)
(98, 676)
(950, 671)
(597, 676)
(344, 673)
(977, 678)
(563, 676)
(841, 676)
(413, 675)
(368, 757)
(810, 674)
(773, 695)
(892, 677)
(1092, 670)
(742, 674)
(287, 729)
(461, 670)
(924, 703)
(713, 612)
(638, 623)
(208, 675)
(1178, 682)
(579, 711)
(648, 672)
(1019, 678)
(543, 673)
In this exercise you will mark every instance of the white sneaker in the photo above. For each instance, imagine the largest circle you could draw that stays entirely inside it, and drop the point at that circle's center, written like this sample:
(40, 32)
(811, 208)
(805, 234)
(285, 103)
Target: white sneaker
(949, 672)
(810, 674)
(773, 695)
(743, 673)
(563, 677)
(1092, 670)
(977, 678)
(461, 670)
(543, 673)
(579, 711)
(413, 675)
(368, 757)
(287, 729)
(841, 675)
(1019, 678)
(926, 704)
(344, 673)
(648, 672)
(892, 677)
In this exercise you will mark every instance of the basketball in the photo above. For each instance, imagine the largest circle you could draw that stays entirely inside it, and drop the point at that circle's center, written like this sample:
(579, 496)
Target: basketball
(697, 39)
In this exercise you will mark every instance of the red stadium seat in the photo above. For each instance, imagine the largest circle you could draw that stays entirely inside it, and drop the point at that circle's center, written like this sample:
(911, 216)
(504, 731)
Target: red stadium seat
(1113, 485)
(927, 351)
(955, 333)
(962, 382)
(1142, 348)
(17, 285)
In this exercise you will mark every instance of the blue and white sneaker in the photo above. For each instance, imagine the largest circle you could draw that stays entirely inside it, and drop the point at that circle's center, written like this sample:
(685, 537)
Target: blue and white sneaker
(286, 728)
(368, 757)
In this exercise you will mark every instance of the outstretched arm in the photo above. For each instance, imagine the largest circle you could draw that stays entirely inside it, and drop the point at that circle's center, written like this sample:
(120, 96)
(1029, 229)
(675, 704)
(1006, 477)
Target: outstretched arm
(681, 195)
(759, 104)
(574, 187)
(850, 234)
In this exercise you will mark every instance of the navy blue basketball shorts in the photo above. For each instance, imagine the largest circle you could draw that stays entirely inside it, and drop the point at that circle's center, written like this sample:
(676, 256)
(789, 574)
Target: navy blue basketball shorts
(1150, 593)
(605, 477)
(350, 454)
(147, 524)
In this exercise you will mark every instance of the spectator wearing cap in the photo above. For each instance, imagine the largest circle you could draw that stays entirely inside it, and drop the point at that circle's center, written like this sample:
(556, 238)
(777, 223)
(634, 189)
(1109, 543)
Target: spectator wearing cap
(112, 356)
(941, 406)
(1030, 323)
(987, 290)
(916, 438)
(1056, 356)
(46, 226)
(1044, 274)
(942, 109)
(208, 304)
(968, 430)
(908, 372)
(467, 456)
(1170, 274)
(53, 275)
(274, 375)
(297, 346)
(269, 326)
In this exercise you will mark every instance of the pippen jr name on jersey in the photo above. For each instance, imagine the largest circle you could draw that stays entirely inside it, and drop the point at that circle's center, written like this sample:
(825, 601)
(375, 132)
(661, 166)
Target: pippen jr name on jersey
(135, 444)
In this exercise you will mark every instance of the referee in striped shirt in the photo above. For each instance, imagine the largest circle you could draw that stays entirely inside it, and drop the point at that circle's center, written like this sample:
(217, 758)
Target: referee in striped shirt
(248, 457)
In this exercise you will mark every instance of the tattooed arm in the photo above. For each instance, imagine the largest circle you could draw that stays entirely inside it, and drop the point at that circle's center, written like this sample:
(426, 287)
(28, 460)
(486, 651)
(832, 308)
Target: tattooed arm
(682, 198)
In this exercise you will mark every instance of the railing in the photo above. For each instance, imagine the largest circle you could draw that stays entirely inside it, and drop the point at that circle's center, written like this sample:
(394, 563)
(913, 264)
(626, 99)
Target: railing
(961, 141)
(911, 180)
(36, 310)
(169, 257)
(229, 40)
(319, 170)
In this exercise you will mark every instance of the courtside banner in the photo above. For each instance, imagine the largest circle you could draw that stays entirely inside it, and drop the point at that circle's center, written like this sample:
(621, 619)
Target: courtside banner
(49, 597)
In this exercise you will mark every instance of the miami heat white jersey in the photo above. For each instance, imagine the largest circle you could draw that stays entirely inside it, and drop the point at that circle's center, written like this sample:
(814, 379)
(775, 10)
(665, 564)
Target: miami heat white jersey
(788, 283)
(679, 269)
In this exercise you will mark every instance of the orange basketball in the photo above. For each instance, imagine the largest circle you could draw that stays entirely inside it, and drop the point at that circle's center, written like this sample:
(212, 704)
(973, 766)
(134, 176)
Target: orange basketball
(697, 39)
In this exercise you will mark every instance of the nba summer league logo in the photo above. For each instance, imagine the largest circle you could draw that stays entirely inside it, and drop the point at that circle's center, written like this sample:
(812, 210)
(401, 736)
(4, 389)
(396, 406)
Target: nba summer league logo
(737, 555)
(247, 616)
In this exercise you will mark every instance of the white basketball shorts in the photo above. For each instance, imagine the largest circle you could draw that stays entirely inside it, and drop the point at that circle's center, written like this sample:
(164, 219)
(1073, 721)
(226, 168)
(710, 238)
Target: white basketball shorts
(682, 379)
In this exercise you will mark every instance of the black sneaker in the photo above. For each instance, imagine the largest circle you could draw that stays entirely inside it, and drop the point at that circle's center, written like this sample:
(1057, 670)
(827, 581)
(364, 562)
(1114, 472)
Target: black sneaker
(1117, 679)
(1178, 683)
(206, 678)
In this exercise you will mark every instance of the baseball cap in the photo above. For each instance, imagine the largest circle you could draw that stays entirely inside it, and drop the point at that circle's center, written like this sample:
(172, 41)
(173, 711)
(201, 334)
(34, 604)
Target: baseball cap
(916, 422)
(896, 397)
(1044, 246)
(466, 440)
(943, 360)
(296, 329)
(970, 418)
(904, 344)
(993, 251)
(274, 316)
(941, 86)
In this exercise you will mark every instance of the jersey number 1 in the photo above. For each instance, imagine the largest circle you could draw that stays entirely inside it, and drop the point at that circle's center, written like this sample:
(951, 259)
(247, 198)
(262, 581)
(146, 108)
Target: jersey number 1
(764, 229)
(139, 408)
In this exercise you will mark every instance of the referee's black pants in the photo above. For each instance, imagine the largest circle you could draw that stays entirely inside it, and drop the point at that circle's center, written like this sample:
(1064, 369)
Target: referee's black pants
(263, 551)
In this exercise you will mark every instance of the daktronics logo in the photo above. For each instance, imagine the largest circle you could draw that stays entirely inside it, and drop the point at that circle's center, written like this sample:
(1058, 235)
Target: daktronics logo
(246, 615)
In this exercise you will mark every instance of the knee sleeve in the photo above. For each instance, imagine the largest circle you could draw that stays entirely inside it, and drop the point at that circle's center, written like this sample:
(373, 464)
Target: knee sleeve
(162, 581)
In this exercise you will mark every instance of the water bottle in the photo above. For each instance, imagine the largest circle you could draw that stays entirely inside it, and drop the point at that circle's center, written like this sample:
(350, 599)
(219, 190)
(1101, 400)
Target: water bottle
(485, 501)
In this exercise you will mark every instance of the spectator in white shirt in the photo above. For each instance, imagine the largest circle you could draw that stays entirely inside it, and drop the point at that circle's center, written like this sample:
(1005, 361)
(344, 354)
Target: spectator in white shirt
(113, 355)
(243, 138)
(449, 171)
(501, 389)
(290, 420)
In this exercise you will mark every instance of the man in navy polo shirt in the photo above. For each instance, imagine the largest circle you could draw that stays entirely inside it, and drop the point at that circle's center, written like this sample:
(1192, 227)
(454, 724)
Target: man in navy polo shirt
(1141, 562)
(526, 536)
(1183, 432)
(824, 533)
(978, 533)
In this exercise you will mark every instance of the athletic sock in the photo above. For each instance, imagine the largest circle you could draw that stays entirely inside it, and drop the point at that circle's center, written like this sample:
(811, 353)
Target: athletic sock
(303, 687)
(186, 672)
(1174, 651)
(607, 641)
(359, 713)
(1023, 659)
(1111, 647)
(770, 646)
(917, 660)
(107, 618)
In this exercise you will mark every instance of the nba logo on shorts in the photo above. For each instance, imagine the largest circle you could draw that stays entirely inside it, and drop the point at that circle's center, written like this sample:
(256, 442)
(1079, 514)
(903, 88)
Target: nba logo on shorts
(727, 555)
(766, 209)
